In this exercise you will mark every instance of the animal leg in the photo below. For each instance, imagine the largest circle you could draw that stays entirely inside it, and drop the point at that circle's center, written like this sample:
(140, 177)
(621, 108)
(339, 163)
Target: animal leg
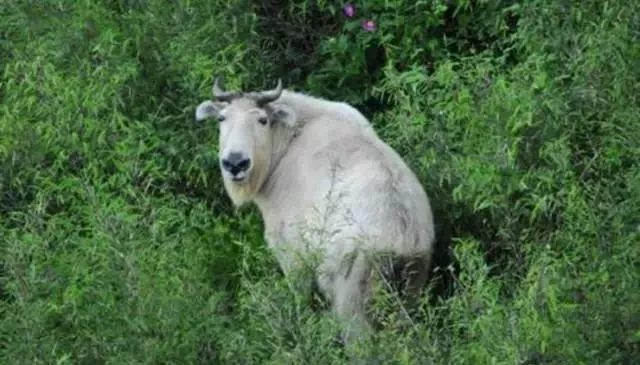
(416, 273)
(351, 289)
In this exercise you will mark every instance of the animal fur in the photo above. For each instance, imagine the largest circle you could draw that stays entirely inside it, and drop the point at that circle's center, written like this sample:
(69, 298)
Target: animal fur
(325, 182)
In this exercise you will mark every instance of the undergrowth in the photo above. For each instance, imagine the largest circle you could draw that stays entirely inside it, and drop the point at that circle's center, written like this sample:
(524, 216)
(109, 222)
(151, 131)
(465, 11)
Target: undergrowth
(118, 245)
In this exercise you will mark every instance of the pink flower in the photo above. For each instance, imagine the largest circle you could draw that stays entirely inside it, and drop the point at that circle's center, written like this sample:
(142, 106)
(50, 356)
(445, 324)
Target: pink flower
(369, 25)
(349, 10)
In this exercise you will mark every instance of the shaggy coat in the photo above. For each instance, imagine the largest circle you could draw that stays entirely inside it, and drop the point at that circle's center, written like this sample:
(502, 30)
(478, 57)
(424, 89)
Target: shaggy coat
(325, 182)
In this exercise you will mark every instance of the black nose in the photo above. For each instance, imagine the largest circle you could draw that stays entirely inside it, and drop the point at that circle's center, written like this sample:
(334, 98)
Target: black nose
(235, 163)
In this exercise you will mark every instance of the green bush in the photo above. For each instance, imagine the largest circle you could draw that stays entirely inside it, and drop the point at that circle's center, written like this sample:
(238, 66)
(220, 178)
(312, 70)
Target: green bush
(118, 245)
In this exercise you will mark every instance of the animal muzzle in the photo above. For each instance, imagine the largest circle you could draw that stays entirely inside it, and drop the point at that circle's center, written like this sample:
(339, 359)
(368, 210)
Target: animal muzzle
(237, 165)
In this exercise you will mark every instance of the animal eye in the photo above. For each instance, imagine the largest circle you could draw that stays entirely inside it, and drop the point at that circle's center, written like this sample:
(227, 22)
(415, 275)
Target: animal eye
(221, 118)
(263, 120)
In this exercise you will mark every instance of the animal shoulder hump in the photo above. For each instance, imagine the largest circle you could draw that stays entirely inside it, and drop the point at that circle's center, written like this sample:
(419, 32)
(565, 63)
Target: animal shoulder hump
(350, 113)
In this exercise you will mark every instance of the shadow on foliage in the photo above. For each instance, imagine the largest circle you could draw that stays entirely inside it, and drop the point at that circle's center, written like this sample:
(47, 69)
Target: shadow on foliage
(290, 41)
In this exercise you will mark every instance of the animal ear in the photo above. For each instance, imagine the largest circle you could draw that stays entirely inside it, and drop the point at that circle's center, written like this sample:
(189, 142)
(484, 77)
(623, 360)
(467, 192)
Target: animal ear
(208, 109)
(283, 114)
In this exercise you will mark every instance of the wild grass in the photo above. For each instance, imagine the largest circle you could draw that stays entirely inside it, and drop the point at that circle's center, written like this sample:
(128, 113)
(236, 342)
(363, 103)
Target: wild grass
(118, 245)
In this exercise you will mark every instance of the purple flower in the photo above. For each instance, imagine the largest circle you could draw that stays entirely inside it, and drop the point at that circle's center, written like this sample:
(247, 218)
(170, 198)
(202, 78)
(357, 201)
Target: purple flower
(369, 25)
(349, 10)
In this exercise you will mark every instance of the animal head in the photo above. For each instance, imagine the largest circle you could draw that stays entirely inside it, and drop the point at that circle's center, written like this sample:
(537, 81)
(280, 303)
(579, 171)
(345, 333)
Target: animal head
(250, 126)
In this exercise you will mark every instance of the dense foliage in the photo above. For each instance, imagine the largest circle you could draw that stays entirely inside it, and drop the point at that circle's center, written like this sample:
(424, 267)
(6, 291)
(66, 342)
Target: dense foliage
(118, 245)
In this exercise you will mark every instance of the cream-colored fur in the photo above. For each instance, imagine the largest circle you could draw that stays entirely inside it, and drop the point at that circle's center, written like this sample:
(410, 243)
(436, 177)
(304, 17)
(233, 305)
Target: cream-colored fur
(325, 183)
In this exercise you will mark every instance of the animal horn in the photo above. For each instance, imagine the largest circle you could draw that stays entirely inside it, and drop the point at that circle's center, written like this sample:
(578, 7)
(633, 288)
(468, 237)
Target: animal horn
(269, 95)
(220, 94)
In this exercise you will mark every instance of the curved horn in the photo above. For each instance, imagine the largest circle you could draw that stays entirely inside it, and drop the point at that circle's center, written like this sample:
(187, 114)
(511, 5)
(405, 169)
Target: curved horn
(220, 94)
(269, 95)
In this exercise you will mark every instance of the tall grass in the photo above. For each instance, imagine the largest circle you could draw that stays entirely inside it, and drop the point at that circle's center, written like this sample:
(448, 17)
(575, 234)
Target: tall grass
(118, 245)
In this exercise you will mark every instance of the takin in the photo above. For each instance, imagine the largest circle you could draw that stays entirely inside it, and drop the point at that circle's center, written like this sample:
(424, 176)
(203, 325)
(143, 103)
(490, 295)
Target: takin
(325, 182)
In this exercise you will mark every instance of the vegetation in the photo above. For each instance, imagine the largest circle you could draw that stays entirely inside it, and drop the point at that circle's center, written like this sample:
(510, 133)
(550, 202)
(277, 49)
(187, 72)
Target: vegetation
(118, 245)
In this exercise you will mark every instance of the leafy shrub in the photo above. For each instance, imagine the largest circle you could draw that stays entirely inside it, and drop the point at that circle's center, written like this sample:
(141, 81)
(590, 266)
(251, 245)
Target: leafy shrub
(119, 246)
